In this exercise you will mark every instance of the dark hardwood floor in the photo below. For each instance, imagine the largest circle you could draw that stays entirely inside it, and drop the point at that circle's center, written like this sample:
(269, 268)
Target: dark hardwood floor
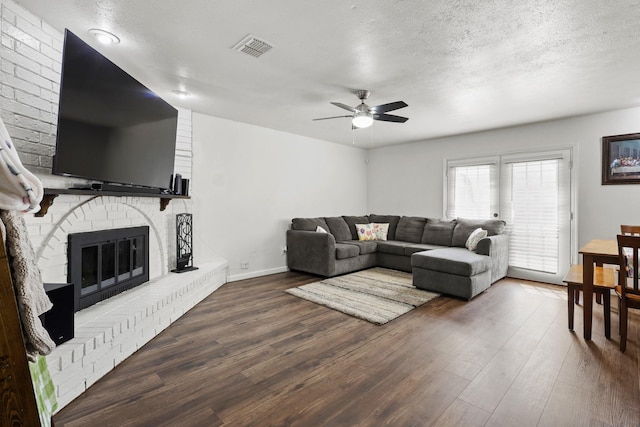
(253, 355)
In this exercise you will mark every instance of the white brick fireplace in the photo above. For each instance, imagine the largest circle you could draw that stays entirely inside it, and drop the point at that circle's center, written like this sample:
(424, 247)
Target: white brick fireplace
(110, 331)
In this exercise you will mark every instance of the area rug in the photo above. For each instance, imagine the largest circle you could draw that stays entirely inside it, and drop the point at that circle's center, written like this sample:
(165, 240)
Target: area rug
(377, 295)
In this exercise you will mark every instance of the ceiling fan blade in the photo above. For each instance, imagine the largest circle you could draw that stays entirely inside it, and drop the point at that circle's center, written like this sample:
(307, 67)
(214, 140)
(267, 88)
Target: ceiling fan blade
(345, 106)
(334, 117)
(383, 108)
(390, 118)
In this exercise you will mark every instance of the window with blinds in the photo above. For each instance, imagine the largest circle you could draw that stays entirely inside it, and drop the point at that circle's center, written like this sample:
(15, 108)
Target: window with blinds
(472, 189)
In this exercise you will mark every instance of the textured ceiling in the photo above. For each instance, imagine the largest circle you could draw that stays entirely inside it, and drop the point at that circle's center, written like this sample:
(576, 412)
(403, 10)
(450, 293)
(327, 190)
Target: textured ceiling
(462, 66)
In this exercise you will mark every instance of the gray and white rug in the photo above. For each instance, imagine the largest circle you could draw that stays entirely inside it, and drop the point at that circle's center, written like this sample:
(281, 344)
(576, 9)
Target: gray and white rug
(377, 295)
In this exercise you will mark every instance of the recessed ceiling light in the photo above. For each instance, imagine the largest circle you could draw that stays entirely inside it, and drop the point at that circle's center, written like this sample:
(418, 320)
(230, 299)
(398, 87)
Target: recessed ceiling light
(180, 93)
(104, 37)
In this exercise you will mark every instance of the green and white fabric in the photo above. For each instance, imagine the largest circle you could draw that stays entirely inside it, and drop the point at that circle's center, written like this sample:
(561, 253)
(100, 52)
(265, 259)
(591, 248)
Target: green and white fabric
(44, 390)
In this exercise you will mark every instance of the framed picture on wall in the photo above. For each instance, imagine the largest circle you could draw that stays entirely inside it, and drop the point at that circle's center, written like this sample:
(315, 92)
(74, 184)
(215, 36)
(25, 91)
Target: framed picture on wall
(621, 159)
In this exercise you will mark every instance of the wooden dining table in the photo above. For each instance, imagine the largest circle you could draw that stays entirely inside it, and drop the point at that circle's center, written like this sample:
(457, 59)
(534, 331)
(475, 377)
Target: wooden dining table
(595, 252)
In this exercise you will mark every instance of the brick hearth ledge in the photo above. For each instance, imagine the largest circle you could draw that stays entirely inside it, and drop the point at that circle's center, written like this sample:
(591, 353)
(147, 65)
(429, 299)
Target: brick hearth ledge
(112, 330)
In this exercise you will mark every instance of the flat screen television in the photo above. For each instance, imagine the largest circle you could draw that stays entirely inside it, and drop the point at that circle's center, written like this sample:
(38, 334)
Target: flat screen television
(111, 128)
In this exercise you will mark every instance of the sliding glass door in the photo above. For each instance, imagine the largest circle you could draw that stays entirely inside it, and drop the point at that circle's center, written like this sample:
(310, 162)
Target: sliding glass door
(531, 192)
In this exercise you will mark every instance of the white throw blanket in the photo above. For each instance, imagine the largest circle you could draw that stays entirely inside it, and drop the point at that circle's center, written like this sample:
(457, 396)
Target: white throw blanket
(27, 282)
(20, 190)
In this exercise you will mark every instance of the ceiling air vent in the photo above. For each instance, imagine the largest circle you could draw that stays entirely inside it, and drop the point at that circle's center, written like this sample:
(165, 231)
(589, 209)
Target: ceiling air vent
(253, 46)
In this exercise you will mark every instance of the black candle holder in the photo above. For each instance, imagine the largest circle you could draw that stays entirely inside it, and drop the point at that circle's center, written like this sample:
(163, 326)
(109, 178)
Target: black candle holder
(184, 243)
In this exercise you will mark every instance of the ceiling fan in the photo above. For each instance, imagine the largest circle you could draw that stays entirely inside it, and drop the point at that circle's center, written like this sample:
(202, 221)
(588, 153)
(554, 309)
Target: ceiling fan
(363, 115)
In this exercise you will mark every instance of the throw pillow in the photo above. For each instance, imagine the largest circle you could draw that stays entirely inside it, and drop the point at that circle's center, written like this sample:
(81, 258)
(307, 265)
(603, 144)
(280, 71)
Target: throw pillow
(320, 230)
(392, 220)
(365, 232)
(380, 230)
(464, 227)
(475, 236)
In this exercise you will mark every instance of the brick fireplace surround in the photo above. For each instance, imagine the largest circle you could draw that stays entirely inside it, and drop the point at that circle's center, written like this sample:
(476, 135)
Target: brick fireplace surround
(111, 330)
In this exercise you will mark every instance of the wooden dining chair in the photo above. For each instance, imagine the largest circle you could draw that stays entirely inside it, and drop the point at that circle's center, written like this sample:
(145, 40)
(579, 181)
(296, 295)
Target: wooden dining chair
(630, 230)
(603, 283)
(627, 289)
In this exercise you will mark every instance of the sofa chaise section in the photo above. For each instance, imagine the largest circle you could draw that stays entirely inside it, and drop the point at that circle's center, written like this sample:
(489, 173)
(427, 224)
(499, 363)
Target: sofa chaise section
(453, 271)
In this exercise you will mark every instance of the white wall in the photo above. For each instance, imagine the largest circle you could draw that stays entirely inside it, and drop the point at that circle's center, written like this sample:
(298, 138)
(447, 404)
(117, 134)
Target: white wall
(408, 179)
(252, 181)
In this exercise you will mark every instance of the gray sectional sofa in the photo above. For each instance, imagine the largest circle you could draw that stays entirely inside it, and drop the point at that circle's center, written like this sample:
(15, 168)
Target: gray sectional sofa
(433, 250)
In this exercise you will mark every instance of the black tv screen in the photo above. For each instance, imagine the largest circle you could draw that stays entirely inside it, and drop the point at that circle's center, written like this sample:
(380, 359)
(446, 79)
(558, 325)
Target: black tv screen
(111, 128)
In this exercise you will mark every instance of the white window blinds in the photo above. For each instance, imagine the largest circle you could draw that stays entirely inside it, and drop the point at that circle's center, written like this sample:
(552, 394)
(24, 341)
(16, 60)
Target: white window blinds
(472, 189)
(532, 215)
(536, 206)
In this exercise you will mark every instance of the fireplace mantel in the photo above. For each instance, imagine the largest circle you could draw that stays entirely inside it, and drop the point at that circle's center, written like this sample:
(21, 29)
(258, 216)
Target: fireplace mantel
(51, 193)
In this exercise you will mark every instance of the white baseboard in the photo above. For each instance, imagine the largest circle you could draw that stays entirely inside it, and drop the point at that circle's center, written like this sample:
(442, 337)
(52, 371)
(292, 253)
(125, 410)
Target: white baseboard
(259, 273)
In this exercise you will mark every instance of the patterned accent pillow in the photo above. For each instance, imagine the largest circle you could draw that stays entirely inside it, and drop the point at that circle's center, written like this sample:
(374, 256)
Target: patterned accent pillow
(372, 231)
(380, 230)
(365, 232)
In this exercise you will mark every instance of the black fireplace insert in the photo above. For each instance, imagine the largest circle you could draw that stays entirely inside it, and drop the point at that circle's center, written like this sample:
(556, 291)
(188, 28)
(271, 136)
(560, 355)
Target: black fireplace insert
(104, 263)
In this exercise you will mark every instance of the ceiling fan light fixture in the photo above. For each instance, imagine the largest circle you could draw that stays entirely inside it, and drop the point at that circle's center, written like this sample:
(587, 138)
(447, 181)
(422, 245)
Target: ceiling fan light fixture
(362, 119)
(363, 115)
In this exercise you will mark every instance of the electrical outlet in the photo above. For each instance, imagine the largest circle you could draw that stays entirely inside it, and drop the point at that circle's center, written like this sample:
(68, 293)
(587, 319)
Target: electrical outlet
(284, 249)
(244, 265)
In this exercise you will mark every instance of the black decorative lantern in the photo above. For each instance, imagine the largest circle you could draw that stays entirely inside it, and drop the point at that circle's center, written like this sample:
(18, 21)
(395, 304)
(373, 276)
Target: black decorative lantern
(184, 243)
